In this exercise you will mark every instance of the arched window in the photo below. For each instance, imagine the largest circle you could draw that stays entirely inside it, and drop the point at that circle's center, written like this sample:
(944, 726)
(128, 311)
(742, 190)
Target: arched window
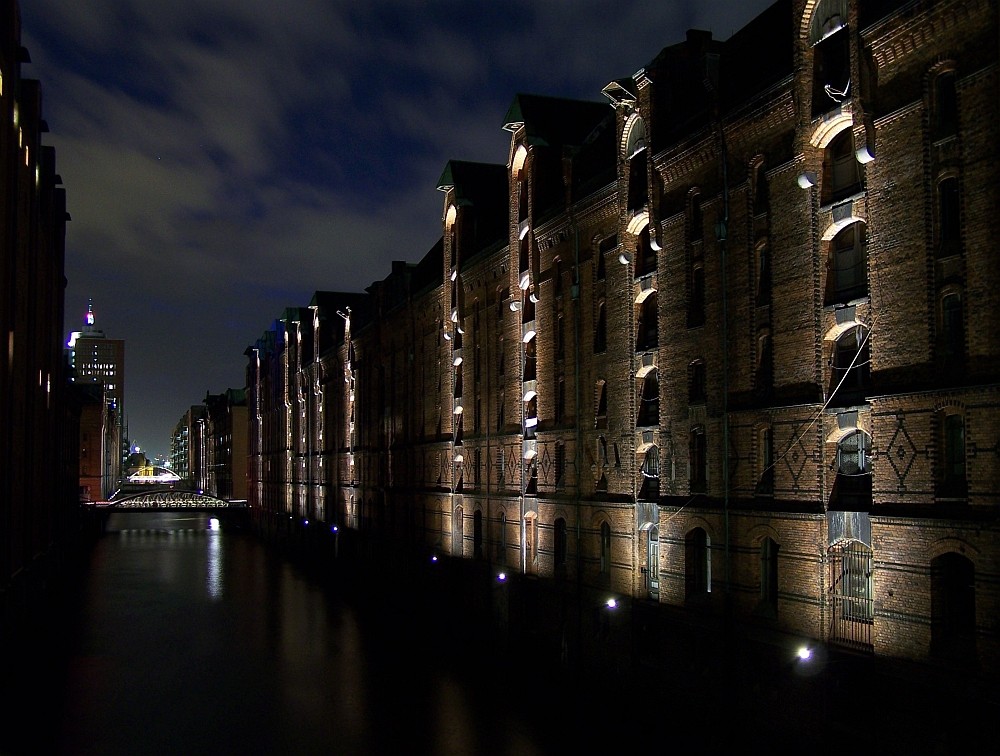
(649, 401)
(854, 454)
(645, 255)
(850, 368)
(951, 333)
(647, 328)
(949, 214)
(649, 490)
(601, 330)
(950, 479)
(638, 171)
(841, 172)
(696, 301)
(945, 105)
(697, 382)
(847, 276)
(953, 608)
(762, 255)
(831, 55)
(529, 360)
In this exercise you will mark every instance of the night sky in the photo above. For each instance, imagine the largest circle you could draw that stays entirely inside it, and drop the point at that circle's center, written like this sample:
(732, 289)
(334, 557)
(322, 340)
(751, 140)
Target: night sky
(224, 159)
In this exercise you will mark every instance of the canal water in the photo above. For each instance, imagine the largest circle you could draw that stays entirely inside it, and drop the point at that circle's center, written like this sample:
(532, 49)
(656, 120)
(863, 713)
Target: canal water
(186, 639)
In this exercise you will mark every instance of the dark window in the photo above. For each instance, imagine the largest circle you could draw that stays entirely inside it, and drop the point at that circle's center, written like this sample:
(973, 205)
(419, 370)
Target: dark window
(951, 480)
(698, 460)
(645, 255)
(761, 194)
(638, 182)
(697, 383)
(477, 537)
(696, 565)
(601, 331)
(769, 575)
(649, 401)
(952, 336)
(605, 548)
(765, 365)
(560, 337)
(560, 399)
(831, 68)
(765, 484)
(953, 608)
(945, 105)
(696, 304)
(560, 464)
(948, 217)
(560, 542)
(647, 336)
(763, 273)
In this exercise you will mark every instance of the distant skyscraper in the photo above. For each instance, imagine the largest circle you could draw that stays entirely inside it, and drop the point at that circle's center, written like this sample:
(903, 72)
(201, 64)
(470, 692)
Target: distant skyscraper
(94, 358)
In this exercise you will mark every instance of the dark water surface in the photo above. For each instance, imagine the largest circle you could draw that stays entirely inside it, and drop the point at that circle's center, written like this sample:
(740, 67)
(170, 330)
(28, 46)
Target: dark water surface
(193, 640)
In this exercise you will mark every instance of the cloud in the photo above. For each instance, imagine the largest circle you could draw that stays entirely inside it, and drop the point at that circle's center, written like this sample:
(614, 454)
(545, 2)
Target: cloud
(223, 159)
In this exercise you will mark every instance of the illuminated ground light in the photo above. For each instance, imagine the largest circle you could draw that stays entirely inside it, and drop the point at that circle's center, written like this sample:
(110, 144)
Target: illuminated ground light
(213, 523)
(434, 557)
(502, 577)
(804, 653)
(611, 603)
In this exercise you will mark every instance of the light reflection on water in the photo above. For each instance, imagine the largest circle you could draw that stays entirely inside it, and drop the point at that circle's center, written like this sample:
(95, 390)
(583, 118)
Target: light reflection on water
(201, 641)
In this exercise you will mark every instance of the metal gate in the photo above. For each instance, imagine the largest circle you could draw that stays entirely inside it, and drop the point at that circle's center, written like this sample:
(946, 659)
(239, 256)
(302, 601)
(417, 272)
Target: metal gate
(851, 594)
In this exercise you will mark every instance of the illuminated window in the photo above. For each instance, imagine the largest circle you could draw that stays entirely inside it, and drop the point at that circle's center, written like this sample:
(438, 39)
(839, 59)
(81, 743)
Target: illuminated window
(841, 171)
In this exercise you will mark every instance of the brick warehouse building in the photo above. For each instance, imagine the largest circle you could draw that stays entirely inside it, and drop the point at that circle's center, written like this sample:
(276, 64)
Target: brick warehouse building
(39, 414)
(728, 344)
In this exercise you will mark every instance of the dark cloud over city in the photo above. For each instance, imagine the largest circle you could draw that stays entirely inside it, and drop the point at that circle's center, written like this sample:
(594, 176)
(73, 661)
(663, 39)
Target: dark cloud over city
(224, 159)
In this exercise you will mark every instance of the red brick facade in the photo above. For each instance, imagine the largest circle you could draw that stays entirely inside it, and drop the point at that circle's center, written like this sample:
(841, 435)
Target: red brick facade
(731, 341)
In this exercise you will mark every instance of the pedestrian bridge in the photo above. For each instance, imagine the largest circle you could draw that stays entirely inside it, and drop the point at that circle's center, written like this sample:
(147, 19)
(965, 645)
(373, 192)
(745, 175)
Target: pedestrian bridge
(168, 500)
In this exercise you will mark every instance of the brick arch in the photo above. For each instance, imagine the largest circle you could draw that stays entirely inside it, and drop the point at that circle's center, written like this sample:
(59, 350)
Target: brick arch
(758, 533)
(952, 545)
(828, 130)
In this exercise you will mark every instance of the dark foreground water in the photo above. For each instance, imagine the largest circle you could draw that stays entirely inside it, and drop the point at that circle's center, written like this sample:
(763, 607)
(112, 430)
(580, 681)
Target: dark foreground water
(193, 640)
(182, 639)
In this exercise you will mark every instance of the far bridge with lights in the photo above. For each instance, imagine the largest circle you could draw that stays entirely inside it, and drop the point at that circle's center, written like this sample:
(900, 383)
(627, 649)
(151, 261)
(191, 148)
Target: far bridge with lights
(170, 500)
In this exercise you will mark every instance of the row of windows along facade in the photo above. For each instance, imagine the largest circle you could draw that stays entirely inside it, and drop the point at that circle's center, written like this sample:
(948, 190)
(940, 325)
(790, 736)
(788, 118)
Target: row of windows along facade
(726, 336)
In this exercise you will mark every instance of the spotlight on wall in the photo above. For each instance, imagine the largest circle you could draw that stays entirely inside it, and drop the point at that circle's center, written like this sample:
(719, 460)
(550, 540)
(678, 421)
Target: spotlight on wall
(807, 179)
(624, 258)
